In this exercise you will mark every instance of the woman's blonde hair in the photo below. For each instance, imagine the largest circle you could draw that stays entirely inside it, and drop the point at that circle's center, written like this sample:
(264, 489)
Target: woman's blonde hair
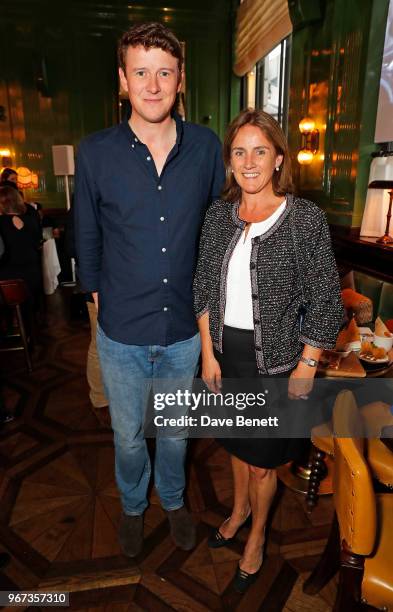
(281, 179)
(11, 202)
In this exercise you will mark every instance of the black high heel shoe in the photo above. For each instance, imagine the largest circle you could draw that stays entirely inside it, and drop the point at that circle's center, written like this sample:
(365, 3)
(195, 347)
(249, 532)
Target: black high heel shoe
(243, 580)
(217, 540)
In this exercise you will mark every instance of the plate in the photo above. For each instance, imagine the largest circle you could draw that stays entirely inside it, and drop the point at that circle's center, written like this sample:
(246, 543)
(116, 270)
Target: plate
(373, 361)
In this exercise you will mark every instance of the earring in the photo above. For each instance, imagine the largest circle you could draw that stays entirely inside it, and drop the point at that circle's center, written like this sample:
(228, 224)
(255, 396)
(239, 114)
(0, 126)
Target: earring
(277, 168)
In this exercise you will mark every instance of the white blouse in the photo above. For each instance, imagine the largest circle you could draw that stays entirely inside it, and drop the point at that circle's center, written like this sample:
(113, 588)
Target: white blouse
(238, 309)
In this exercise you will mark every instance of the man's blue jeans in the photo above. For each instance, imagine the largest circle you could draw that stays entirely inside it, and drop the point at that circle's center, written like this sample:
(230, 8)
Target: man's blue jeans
(129, 372)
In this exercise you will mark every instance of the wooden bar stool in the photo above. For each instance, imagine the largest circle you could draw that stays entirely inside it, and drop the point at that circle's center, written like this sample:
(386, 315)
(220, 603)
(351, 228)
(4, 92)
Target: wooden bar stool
(14, 293)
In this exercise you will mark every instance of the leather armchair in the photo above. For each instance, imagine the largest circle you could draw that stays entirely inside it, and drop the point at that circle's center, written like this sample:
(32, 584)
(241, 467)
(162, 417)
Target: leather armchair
(363, 528)
(375, 415)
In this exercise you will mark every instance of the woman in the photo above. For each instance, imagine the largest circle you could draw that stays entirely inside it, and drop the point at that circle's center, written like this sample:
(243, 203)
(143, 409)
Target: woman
(22, 239)
(265, 261)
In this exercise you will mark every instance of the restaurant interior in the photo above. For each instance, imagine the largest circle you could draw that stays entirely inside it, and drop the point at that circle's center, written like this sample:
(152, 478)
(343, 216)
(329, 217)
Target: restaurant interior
(324, 70)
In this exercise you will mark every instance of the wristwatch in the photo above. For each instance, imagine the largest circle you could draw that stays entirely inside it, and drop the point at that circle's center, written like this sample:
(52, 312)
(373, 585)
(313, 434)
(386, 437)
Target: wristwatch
(310, 362)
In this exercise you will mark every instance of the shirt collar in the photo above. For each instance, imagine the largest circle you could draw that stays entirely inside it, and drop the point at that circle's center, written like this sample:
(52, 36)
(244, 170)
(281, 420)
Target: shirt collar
(134, 139)
(240, 223)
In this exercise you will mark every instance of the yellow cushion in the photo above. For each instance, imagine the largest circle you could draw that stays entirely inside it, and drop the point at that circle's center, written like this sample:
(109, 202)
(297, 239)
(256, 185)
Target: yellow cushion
(376, 415)
(380, 460)
(377, 585)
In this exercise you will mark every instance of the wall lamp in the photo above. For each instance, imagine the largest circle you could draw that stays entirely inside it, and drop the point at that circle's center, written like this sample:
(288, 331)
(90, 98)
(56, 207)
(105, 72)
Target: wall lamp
(5, 155)
(26, 178)
(310, 141)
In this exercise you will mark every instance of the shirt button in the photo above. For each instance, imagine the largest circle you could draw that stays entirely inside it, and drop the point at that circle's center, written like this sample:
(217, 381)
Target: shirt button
(159, 187)
(162, 218)
(165, 308)
(164, 280)
(133, 146)
(163, 249)
(136, 140)
(148, 158)
(254, 296)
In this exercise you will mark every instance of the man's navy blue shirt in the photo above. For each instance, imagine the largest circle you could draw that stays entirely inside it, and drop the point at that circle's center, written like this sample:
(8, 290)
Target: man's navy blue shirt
(137, 232)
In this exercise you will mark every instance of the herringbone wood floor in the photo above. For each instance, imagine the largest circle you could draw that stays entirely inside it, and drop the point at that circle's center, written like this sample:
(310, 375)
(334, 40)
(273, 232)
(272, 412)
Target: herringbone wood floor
(59, 506)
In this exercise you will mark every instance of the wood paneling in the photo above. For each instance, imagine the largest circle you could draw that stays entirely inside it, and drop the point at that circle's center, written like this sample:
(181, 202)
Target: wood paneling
(336, 65)
(77, 48)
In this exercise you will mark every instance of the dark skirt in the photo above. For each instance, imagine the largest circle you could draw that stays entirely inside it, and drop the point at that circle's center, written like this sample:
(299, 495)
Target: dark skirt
(238, 361)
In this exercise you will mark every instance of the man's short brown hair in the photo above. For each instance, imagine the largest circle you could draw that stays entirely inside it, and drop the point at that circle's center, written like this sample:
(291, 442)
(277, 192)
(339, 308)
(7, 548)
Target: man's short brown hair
(149, 35)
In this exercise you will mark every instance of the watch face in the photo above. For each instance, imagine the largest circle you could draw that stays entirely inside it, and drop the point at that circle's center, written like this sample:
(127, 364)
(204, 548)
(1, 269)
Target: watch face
(311, 362)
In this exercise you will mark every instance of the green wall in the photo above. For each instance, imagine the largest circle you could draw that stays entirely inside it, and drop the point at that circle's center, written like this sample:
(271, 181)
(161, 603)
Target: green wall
(334, 78)
(78, 41)
(336, 66)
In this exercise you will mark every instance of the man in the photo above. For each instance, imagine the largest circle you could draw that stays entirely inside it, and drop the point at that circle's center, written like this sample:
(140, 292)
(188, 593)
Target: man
(142, 189)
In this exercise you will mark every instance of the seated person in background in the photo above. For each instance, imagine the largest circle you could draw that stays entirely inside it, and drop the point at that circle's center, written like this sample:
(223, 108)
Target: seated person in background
(9, 178)
(22, 238)
(9, 175)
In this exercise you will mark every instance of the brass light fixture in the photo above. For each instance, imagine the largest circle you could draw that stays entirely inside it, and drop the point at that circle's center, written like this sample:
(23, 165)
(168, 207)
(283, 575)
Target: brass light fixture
(386, 185)
(310, 141)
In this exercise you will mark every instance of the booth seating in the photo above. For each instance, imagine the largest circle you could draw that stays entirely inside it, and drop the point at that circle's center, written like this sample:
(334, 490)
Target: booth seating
(359, 545)
(14, 294)
(378, 291)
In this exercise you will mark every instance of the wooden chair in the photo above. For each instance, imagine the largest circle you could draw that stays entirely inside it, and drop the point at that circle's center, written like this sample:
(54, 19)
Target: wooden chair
(362, 531)
(14, 294)
(375, 415)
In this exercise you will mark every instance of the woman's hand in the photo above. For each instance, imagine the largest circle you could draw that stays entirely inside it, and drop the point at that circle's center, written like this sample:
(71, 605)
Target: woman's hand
(301, 381)
(211, 373)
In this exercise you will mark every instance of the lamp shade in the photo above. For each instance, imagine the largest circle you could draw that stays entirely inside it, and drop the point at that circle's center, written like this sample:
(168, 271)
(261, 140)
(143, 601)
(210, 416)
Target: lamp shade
(24, 177)
(377, 201)
(305, 157)
(306, 125)
(381, 185)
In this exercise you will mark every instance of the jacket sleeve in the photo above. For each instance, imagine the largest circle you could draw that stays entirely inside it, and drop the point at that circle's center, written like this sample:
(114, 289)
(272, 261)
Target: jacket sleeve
(201, 278)
(218, 177)
(88, 237)
(325, 311)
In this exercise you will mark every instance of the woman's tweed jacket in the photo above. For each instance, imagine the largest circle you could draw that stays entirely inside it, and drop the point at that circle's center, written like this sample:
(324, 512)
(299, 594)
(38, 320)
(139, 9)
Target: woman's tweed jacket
(280, 284)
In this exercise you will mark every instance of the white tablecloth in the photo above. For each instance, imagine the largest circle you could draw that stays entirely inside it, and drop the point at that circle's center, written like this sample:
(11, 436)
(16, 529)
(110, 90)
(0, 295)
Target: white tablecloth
(50, 266)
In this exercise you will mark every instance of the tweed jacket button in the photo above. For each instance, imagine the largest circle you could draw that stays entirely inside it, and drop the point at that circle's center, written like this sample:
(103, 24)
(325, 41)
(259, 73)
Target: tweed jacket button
(254, 296)
(252, 266)
(257, 322)
(258, 348)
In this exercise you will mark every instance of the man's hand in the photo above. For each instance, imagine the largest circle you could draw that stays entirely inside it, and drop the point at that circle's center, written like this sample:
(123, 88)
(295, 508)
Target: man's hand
(301, 381)
(211, 373)
(95, 298)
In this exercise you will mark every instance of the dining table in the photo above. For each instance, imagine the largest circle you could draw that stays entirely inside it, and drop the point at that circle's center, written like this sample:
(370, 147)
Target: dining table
(50, 266)
(296, 474)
